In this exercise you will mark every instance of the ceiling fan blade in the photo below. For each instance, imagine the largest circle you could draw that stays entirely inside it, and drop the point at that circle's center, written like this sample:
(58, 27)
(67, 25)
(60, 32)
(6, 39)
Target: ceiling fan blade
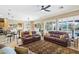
(43, 8)
(47, 10)
(47, 6)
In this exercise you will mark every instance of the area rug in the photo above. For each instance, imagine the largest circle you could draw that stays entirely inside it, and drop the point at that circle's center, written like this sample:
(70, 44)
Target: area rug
(45, 47)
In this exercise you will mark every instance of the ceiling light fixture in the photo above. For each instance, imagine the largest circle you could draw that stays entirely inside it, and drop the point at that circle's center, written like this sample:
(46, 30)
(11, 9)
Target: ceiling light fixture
(10, 14)
(61, 7)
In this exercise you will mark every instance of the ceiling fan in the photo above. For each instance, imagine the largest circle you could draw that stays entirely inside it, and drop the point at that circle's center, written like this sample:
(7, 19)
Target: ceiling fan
(45, 8)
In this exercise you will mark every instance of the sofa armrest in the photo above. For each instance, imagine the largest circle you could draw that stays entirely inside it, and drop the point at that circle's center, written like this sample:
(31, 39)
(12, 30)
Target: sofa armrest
(21, 50)
(22, 37)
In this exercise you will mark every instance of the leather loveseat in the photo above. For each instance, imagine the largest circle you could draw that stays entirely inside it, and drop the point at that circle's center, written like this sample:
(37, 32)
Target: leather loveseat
(26, 38)
(60, 38)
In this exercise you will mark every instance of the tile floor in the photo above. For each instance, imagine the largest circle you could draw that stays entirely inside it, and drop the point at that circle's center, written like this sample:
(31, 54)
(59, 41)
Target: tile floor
(5, 40)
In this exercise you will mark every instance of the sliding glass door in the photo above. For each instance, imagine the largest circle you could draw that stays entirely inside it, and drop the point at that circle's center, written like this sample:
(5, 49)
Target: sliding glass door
(48, 26)
(76, 28)
(70, 25)
(67, 25)
(62, 26)
(71, 29)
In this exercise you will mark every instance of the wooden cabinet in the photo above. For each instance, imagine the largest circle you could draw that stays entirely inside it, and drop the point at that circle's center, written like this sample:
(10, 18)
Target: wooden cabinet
(1, 22)
(4, 23)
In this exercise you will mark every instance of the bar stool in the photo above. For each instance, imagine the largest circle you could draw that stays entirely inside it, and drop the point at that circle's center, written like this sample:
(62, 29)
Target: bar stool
(76, 43)
(14, 35)
(71, 42)
(9, 37)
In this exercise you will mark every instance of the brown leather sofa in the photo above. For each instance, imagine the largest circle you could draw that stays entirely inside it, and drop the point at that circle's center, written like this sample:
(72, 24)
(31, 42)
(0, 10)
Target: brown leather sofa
(55, 38)
(26, 38)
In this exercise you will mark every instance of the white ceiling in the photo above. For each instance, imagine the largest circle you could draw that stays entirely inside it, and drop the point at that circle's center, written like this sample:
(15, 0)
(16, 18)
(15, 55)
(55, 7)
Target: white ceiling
(22, 12)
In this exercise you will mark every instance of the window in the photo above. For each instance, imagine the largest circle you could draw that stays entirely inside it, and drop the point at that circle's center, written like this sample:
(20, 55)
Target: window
(76, 28)
(49, 26)
(62, 26)
(38, 26)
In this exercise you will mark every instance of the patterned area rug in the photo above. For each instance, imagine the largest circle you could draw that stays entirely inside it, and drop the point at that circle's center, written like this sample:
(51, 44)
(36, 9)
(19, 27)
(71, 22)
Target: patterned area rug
(45, 47)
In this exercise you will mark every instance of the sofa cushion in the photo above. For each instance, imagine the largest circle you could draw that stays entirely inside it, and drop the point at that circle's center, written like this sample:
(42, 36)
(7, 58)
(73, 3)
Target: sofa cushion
(36, 36)
(33, 32)
(27, 38)
(55, 35)
(27, 35)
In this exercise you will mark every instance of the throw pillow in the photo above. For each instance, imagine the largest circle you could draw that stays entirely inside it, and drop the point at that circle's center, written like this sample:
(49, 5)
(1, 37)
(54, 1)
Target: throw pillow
(21, 50)
(61, 36)
(30, 32)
